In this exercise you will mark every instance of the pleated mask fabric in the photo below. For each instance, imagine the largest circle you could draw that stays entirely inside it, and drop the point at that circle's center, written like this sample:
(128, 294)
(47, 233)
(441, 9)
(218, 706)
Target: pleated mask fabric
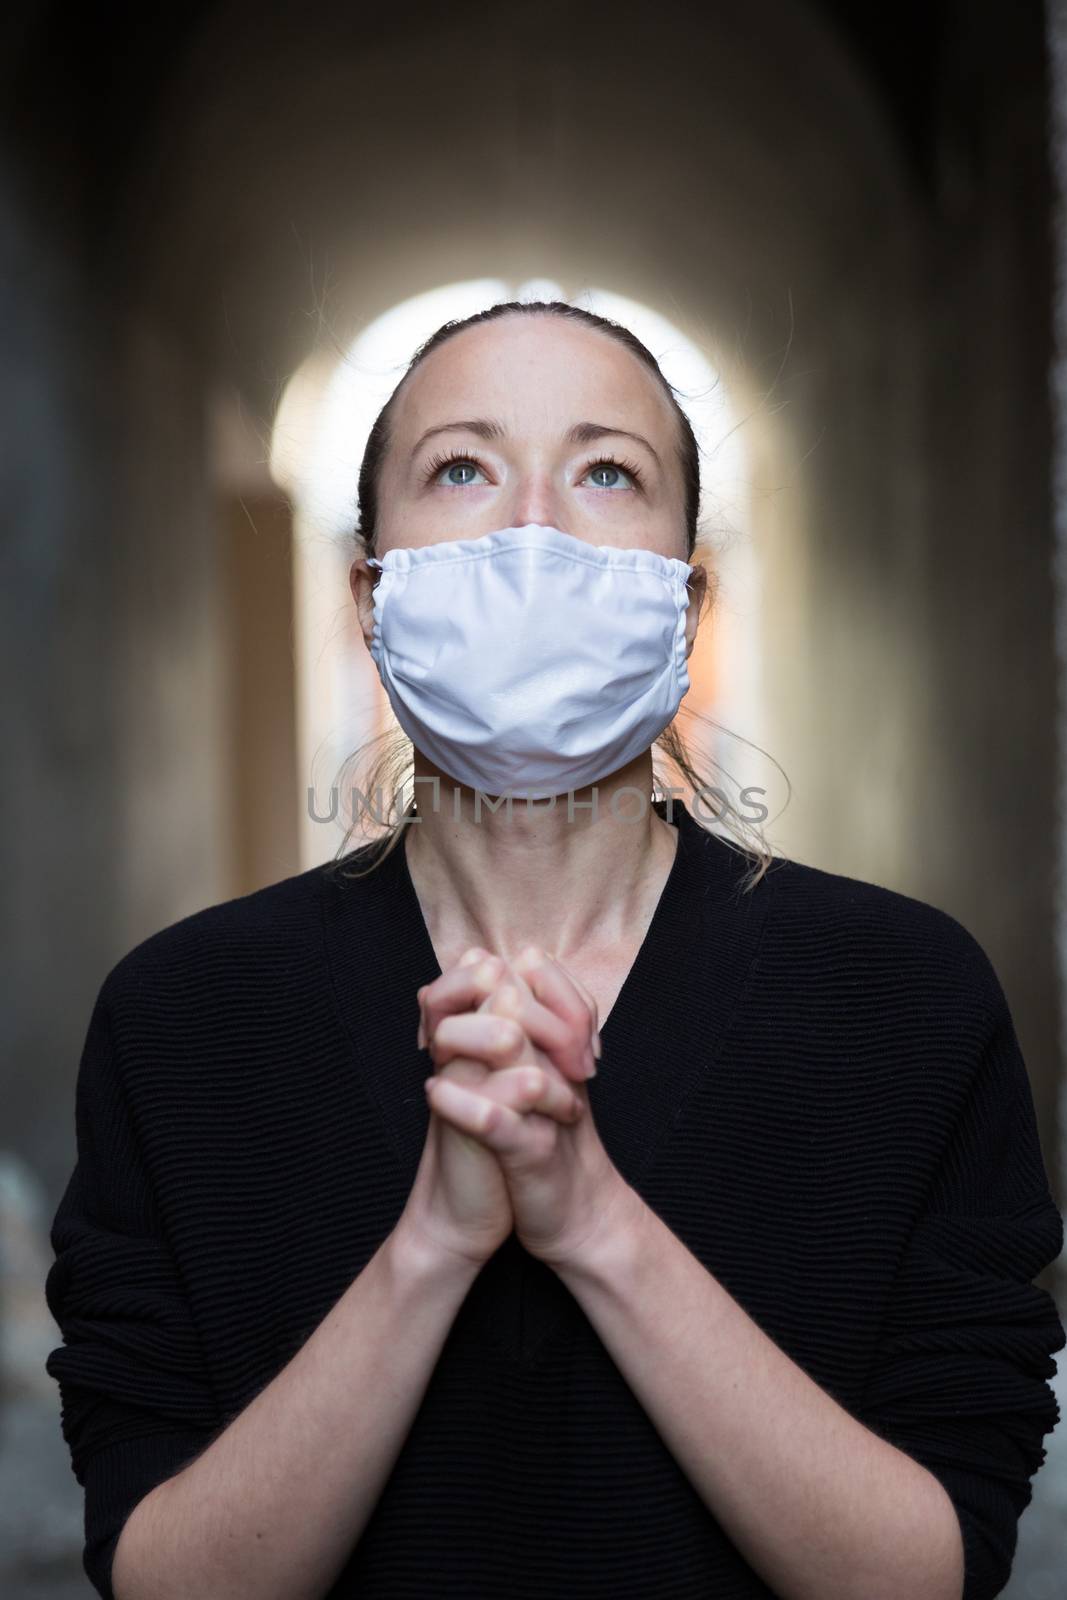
(529, 662)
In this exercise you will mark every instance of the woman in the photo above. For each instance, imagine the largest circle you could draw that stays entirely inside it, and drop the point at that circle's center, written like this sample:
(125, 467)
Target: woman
(750, 1313)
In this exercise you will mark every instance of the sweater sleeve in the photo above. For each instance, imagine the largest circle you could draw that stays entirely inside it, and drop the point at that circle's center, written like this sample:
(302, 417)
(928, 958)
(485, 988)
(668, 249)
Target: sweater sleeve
(135, 1399)
(959, 1380)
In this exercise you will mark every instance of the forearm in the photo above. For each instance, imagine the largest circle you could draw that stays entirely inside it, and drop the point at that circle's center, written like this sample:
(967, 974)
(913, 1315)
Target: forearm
(820, 1507)
(276, 1502)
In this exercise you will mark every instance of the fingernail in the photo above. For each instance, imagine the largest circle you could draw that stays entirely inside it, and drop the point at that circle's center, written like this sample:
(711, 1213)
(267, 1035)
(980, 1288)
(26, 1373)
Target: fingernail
(590, 1070)
(422, 1037)
(598, 1048)
(469, 957)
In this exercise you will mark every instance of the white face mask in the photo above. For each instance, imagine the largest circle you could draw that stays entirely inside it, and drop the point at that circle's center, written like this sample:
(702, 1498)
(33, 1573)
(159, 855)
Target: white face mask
(528, 662)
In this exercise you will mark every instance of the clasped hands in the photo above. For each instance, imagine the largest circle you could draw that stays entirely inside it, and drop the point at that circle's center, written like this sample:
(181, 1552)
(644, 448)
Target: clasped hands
(512, 1045)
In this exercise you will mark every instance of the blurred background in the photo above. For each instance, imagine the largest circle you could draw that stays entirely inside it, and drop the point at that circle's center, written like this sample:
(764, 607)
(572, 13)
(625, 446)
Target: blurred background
(224, 228)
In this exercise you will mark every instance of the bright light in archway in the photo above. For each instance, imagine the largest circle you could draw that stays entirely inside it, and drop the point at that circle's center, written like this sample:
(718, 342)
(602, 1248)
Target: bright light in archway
(319, 435)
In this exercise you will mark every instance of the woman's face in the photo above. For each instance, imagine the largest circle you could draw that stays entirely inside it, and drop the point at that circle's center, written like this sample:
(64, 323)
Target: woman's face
(530, 383)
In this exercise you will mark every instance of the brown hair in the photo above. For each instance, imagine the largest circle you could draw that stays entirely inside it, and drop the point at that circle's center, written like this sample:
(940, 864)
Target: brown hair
(391, 767)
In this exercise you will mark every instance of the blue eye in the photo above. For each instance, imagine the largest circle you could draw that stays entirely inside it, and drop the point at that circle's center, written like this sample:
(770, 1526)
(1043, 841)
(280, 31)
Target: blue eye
(455, 463)
(456, 460)
(609, 464)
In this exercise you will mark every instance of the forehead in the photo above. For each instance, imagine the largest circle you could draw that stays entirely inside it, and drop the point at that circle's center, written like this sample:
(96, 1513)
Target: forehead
(534, 372)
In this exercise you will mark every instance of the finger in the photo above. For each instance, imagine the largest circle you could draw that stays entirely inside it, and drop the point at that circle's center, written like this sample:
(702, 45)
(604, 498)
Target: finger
(556, 989)
(498, 1041)
(467, 1071)
(566, 1046)
(531, 1088)
(496, 1126)
(524, 1087)
(594, 1009)
(461, 988)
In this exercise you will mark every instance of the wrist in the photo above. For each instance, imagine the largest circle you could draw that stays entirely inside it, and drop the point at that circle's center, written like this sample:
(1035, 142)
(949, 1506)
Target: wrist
(605, 1252)
(416, 1254)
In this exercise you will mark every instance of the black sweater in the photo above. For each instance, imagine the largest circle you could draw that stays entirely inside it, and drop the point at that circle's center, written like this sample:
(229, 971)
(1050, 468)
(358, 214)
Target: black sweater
(816, 1085)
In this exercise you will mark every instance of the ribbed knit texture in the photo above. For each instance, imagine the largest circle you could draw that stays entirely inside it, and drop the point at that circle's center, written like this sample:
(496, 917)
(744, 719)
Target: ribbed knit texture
(816, 1085)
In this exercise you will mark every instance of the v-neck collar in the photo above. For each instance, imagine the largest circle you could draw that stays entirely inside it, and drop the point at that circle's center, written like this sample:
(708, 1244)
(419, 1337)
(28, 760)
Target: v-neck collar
(661, 1038)
(662, 1032)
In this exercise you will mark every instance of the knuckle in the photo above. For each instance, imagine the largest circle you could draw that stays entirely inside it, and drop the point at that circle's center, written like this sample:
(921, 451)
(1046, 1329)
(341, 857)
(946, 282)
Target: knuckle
(547, 1138)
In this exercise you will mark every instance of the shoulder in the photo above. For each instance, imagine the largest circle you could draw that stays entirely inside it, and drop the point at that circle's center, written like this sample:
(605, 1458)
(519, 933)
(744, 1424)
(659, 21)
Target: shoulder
(252, 941)
(835, 932)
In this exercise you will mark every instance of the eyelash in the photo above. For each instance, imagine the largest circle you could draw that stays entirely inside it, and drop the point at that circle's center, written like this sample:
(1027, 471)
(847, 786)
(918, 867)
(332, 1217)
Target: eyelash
(437, 462)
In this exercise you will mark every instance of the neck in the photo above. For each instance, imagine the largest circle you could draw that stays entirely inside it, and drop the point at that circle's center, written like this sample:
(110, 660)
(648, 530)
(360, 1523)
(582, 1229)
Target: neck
(564, 877)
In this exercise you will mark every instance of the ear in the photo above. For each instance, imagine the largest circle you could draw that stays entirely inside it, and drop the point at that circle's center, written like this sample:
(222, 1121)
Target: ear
(362, 581)
(697, 584)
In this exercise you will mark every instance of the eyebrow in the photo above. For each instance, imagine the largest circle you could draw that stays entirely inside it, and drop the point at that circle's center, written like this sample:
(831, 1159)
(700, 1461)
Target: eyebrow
(581, 433)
